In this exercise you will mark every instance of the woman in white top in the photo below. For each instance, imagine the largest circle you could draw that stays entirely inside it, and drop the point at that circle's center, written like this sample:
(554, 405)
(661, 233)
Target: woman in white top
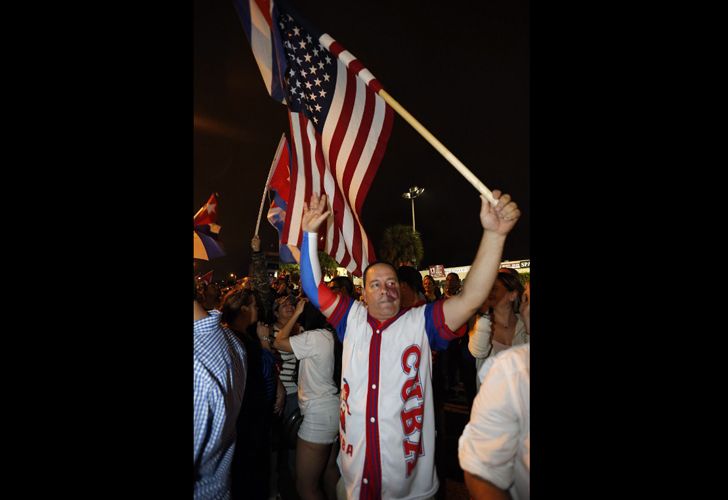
(318, 400)
(498, 326)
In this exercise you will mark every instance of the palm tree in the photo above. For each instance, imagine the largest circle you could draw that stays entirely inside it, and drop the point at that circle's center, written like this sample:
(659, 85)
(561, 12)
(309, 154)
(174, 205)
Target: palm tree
(401, 246)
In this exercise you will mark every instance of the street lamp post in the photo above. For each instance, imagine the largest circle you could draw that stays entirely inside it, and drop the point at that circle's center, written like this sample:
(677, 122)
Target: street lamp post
(413, 193)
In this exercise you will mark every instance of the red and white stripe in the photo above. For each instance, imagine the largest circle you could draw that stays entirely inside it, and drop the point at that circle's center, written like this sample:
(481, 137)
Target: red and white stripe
(261, 38)
(342, 161)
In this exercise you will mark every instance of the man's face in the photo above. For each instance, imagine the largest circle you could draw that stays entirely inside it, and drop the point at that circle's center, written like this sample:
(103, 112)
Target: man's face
(452, 283)
(381, 292)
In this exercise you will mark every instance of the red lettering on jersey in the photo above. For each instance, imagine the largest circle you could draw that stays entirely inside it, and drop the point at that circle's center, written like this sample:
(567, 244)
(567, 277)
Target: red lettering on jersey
(411, 452)
(412, 417)
(350, 450)
(410, 447)
(411, 389)
(413, 349)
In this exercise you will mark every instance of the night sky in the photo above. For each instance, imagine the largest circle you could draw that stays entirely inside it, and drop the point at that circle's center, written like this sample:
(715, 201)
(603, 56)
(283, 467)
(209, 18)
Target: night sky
(463, 72)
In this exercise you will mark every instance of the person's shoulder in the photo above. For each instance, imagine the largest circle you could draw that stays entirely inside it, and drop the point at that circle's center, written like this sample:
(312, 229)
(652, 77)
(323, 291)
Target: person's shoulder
(357, 309)
(216, 347)
(209, 324)
(318, 335)
(516, 358)
(234, 341)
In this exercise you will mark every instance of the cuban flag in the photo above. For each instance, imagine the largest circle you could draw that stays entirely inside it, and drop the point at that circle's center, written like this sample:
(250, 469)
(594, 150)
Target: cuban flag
(277, 218)
(280, 183)
(206, 232)
(207, 277)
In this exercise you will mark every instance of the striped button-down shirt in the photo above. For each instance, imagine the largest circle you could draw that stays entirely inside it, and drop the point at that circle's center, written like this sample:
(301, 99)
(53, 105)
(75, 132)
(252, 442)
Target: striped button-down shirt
(220, 367)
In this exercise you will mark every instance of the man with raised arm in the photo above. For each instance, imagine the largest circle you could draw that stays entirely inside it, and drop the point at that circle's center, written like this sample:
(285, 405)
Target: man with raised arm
(388, 442)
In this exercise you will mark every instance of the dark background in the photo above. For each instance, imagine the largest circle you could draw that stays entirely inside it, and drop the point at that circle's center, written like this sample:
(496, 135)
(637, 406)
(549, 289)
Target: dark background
(616, 217)
(462, 72)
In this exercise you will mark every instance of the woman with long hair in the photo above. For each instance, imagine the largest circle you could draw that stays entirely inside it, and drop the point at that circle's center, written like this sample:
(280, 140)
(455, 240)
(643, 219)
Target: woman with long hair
(318, 401)
(499, 324)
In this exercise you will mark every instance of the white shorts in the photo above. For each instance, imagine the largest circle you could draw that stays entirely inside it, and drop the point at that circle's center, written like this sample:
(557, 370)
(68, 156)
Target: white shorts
(320, 422)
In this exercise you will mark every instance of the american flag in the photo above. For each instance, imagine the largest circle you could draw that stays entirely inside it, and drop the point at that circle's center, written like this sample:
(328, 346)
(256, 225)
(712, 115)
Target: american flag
(339, 127)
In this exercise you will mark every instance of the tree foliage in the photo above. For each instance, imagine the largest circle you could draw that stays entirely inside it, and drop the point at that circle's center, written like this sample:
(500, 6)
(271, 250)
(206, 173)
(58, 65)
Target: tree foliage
(328, 265)
(401, 246)
(524, 277)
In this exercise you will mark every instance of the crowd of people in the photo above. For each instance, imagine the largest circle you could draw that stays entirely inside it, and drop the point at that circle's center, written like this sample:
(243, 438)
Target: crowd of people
(340, 390)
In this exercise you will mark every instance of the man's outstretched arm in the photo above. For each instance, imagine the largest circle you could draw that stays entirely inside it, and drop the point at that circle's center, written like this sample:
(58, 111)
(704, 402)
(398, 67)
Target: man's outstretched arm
(497, 223)
(314, 213)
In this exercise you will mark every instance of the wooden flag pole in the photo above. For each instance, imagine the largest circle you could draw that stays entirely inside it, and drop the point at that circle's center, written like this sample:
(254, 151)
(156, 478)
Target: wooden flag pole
(276, 157)
(439, 147)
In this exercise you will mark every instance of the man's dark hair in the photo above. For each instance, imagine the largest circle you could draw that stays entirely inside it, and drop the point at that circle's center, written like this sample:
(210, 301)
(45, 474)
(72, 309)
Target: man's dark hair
(345, 283)
(411, 276)
(234, 299)
(364, 274)
(312, 318)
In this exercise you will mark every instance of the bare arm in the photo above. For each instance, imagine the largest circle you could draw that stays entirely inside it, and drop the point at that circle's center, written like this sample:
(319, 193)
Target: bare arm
(525, 309)
(497, 223)
(282, 342)
(314, 213)
(481, 489)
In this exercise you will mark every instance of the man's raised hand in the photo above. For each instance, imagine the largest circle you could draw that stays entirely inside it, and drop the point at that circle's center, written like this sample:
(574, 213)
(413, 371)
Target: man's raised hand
(501, 218)
(314, 213)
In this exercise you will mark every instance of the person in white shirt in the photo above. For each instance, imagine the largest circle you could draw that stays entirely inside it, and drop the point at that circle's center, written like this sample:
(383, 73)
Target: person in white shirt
(318, 399)
(495, 447)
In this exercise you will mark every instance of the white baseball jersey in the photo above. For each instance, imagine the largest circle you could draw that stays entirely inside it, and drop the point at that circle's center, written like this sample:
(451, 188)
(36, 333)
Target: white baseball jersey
(387, 425)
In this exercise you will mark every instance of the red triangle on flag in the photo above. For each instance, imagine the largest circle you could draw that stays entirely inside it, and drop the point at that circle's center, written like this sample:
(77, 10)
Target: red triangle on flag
(280, 179)
(207, 277)
(208, 213)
